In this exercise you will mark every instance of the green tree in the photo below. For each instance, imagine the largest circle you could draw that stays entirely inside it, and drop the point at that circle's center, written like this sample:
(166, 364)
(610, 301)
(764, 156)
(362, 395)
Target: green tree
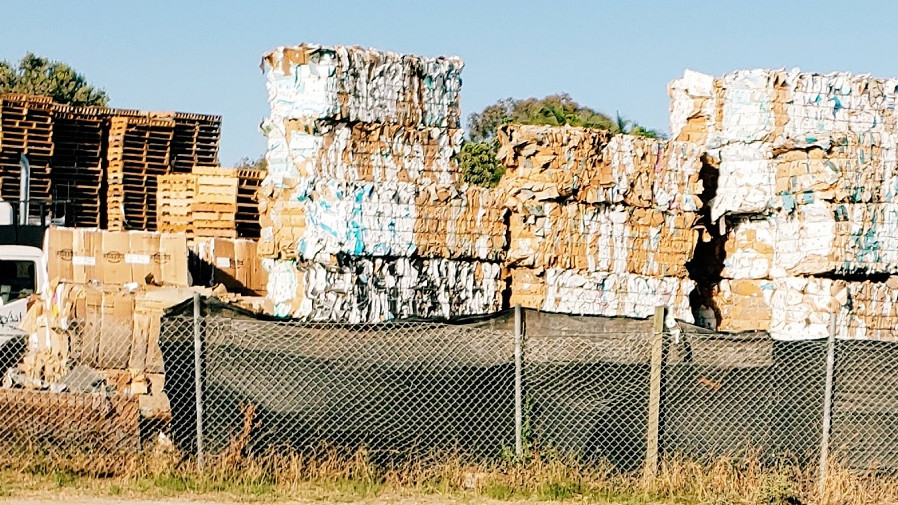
(554, 110)
(40, 76)
(478, 163)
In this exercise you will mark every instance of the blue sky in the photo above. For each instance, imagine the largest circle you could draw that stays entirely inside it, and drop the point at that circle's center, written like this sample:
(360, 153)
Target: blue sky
(204, 56)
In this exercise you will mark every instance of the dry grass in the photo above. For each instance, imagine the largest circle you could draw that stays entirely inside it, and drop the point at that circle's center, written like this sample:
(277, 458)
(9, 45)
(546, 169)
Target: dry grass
(334, 475)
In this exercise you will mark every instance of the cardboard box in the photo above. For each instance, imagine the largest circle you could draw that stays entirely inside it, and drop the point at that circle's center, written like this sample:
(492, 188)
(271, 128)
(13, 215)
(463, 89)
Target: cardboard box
(115, 258)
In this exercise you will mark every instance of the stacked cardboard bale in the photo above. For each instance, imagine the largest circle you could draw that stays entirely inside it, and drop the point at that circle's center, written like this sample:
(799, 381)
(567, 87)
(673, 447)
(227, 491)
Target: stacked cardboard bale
(601, 224)
(806, 194)
(362, 214)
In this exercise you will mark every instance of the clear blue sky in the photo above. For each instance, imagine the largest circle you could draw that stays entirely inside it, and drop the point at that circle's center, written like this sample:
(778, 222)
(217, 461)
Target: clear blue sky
(204, 56)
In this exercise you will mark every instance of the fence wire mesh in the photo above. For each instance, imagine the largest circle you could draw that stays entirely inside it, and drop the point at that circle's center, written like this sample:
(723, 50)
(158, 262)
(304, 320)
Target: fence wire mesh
(407, 387)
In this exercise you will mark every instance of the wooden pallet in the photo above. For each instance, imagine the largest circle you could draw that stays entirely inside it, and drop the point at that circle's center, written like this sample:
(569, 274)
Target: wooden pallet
(26, 127)
(247, 203)
(138, 151)
(77, 176)
(202, 204)
(195, 139)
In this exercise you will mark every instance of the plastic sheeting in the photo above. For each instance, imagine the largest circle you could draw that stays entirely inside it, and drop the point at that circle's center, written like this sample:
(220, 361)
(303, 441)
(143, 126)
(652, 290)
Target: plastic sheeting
(602, 238)
(362, 290)
(602, 294)
(594, 166)
(353, 84)
(817, 238)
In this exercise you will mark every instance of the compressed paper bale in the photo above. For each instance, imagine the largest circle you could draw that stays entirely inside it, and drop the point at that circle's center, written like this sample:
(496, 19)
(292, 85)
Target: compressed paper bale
(802, 308)
(465, 222)
(843, 167)
(366, 290)
(360, 152)
(777, 135)
(353, 84)
(693, 103)
(742, 304)
(816, 238)
(749, 249)
(594, 166)
(605, 294)
(329, 217)
(602, 238)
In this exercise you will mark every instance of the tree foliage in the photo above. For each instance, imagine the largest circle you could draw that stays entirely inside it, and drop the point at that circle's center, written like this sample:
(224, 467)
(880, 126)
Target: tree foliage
(479, 164)
(40, 76)
(553, 110)
(478, 154)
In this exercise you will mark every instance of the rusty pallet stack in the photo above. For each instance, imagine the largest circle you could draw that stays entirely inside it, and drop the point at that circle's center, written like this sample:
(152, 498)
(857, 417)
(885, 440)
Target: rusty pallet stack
(26, 127)
(195, 140)
(247, 202)
(175, 195)
(139, 150)
(77, 176)
(215, 205)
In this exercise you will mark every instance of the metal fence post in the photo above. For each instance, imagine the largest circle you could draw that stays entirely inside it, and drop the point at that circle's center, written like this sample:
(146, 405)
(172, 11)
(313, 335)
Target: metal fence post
(654, 422)
(518, 381)
(827, 404)
(198, 379)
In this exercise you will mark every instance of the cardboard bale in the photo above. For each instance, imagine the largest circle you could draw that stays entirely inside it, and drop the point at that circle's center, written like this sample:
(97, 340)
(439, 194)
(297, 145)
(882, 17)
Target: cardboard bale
(605, 294)
(815, 238)
(367, 290)
(595, 166)
(779, 135)
(742, 305)
(352, 84)
(602, 238)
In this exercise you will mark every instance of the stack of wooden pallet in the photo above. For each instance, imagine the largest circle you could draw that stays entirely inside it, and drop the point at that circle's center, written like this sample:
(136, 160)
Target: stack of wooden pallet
(77, 177)
(26, 127)
(202, 204)
(247, 202)
(174, 196)
(215, 205)
(194, 140)
(139, 151)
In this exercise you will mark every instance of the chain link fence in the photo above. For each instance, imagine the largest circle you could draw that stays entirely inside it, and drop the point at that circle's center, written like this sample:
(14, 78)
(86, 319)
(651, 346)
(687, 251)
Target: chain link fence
(606, 390)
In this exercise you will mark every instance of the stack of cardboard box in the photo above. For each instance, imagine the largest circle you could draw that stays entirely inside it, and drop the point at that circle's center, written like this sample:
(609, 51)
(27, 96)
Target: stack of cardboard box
(107, 292)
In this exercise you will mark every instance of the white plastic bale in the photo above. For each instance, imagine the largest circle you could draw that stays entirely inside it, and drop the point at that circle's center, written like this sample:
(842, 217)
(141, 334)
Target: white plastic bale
(366, 290)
